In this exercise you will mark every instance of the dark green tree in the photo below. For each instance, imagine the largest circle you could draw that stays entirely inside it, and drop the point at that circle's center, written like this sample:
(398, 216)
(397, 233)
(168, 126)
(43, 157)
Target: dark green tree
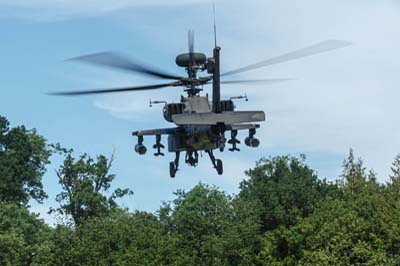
(23, 157)
(85, 183)
(356, 228)
(391, 214)
(200, 220)
(243, 234)
(121, 238)
(284, 189)
(22, 235)
(355, 178)
(394, 182)
(336, 234)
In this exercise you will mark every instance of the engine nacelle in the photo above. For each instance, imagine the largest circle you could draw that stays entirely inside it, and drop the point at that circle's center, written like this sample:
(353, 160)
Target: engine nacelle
(252, 142)
(172, 109)
(140, 148)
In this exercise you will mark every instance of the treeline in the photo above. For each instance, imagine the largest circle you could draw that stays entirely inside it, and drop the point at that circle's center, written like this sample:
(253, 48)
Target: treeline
(283, 215)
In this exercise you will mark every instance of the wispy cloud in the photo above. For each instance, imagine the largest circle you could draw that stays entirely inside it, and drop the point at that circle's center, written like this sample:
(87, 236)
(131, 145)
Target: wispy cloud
(63, 9)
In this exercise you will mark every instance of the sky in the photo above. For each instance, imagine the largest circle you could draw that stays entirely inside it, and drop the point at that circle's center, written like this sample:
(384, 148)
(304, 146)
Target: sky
(343, 99)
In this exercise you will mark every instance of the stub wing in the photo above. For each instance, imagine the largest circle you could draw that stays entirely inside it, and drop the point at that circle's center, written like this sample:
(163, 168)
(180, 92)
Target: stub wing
(243, 127)
(158, 131)
(228, 118)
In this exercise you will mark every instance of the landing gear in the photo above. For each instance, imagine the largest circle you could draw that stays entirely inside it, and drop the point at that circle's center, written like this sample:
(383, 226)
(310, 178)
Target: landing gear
(172, 169)
(173, 166)
(217, 163)
(220, 167)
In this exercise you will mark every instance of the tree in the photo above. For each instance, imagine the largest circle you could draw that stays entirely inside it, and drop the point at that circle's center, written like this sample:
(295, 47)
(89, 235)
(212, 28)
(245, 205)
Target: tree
(22, 235)
(23, 157)
(200, 220)
(123, 239)
(243, 234)
(390, 222)
(285, 190)
(354, 175)
(336, 234)
(85, 182)
(360, 227)
(394, 184)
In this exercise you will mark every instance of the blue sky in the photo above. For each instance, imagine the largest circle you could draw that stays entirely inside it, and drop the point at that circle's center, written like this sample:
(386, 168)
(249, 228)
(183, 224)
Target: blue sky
(347, 98)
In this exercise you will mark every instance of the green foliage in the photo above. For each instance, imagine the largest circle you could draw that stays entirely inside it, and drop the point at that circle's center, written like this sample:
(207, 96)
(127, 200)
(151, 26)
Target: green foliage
(355, 179)
(119, 239)
(394, 184)
(285, 190)
(23, 157)
(282, 215)
(361, 227)
(207, 227)
(85, 182)
(22, 235)
(199, 221)
(335, 235)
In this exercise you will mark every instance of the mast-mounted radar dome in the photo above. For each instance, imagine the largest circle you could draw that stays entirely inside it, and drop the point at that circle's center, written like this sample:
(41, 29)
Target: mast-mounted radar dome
(184, 60)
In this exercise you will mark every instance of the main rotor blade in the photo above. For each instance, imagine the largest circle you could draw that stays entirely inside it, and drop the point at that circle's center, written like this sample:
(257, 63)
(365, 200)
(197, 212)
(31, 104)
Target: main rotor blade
(255, 81)
(110, 59)
(138, 88)
(318, 48)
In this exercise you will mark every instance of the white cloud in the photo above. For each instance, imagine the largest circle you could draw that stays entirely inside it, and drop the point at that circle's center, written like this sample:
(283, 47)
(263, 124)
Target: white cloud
(62, 9)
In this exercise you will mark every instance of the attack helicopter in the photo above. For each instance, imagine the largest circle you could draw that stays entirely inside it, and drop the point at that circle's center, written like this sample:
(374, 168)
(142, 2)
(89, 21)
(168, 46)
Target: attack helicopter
(200, 123)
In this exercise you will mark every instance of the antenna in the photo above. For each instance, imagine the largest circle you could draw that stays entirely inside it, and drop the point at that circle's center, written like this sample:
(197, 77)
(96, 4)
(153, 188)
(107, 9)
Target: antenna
(215, 25)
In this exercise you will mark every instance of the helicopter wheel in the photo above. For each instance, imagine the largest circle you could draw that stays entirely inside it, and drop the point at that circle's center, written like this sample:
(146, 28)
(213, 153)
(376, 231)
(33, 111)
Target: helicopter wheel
(172, 170)
(219, 167)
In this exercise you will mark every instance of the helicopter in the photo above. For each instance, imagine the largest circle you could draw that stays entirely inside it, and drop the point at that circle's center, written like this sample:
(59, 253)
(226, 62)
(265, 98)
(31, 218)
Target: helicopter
(200, 123)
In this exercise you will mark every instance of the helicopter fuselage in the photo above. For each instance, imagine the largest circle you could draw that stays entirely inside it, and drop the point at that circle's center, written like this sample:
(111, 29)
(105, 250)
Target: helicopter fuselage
(198, 128)
(193, 104)
(192, 137)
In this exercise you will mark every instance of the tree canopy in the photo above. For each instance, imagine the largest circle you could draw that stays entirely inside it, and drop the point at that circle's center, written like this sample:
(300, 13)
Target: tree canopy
(283, 214)
(84, 183)
(23, 157)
